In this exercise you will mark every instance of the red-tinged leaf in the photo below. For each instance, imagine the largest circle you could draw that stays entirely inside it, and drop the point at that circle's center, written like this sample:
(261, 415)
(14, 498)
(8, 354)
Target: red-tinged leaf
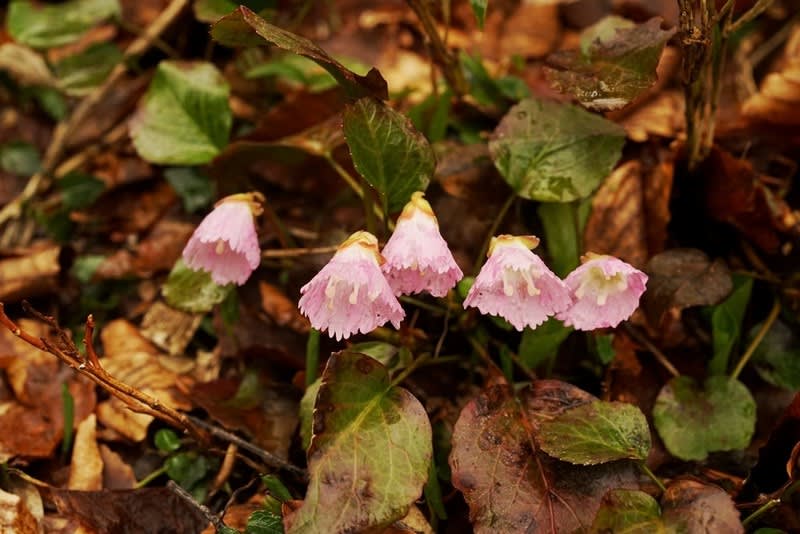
(245, 28)
(691, 506)
(369, 454)
(617, 62)
(509, 485)
(680, 278)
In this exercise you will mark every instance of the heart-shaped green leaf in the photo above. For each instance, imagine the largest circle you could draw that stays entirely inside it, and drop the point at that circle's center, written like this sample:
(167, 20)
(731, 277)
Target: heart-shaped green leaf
(595, 433)
(185, 118)
(555, 152)
(694, 421)
(370, 451)
(388, 151)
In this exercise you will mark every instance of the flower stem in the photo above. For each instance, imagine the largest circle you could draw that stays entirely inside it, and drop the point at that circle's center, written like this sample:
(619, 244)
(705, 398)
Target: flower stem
(773, 314)
(763, 509)
(492, 230)
(312, 356)
(646, 470)
(151, 477)
(355, 186)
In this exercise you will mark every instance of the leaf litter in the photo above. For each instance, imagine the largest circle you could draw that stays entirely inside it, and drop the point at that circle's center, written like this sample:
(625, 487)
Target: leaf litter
(137, 395)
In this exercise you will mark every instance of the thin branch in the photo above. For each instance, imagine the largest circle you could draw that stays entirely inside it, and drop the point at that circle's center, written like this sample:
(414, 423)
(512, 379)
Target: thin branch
(660, 357)
(773, 315)
(295, 252)
(492, 231)
(265, 456)
(184, 495)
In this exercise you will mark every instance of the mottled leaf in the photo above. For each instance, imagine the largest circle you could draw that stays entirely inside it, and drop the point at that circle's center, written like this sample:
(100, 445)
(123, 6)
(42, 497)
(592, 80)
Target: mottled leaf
(307, 412)
(511, 487)
(628, 511)
(617, 62)
(369, 454)
(726, 323)
(777, 358)
(693, 507)
(684, 277)
(388, 151)
(597, 432)
(56, 24)
(245, 28)
(193, 291)
(694, 421)
(554, 152)
(184, 118)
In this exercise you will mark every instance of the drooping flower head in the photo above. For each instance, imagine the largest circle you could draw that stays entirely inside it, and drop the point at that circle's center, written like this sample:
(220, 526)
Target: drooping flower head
(417, 256)
(515, 284)
(226, 244)
(350, 294)
(606, 291)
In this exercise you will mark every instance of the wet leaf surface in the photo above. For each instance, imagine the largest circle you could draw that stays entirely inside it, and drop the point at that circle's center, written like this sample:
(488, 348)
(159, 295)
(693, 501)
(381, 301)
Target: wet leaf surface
(554, 152)
(694, 421)
(369, 452)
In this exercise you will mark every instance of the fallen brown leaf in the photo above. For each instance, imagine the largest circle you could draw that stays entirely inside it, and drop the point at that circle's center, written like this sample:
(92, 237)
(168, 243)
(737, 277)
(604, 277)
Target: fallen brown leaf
(282, 310)
(86, 469)
(170, 328)
(116, 473)
(33, 274)
(21, 510)
(778, 99)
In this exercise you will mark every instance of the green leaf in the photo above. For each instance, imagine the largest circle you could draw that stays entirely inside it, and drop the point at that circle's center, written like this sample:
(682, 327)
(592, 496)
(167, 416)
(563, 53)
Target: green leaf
(58, 24)
(245, 28)
(541, 344)
(432, 115)
(604, 344)
(276, 488)
(193, 291)
(307, 412)
(388, 151)
(726, 323)
(27, 67)
(187, 468)
(84, 267)
(563, 222)
(185, 118)
(694, 421)
(629, 512)
(79, 190)
(777, 357)
(301, 72)
(79, 74)
(616, 63)
(370, 453)
(213, 10)
(167, 440)
(264, 522)
(51, 101)
(555, 152)
(479, 8)
(597, 432)
(194, 187)
(19, 158)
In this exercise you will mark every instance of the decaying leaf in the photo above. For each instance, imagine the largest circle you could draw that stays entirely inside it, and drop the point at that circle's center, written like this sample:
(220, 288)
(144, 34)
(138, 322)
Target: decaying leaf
(369, 453)
(282, 310)
(630, 210)
(86, 469)
(777, 100)
(695, 507)
(680, 278)
(35, 273)
(509, 485)
(616, 63)
(21, 510)
(32, 424)
(169, 328)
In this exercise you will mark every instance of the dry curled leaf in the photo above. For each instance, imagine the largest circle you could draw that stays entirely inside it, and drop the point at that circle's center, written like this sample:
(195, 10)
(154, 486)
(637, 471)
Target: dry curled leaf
(32, 274)
(778, 98)
(86, 469)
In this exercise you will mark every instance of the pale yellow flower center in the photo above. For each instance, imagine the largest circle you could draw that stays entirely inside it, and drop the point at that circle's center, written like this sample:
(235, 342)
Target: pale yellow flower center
(220, 248)
(513, 278)
(601, 285)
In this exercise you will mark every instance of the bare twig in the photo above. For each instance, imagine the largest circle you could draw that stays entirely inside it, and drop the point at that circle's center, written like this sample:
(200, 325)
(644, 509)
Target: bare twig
(751, 349)
(265, 456)
(184, 495)
(67, 352)
(660, 356)
(225, 470)
(294, 252)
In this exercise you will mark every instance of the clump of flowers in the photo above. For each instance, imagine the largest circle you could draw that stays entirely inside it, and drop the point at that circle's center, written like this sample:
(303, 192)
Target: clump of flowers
(606, 291)
(516, 285)
(225, 244)
(350, 294)
(417, 256)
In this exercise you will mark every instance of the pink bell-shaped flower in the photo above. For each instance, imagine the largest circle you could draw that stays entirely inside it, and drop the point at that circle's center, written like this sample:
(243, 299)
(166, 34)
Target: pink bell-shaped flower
(226, 244)
(515, 284)
(350, 294)
(417, 256)
(606, 291)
